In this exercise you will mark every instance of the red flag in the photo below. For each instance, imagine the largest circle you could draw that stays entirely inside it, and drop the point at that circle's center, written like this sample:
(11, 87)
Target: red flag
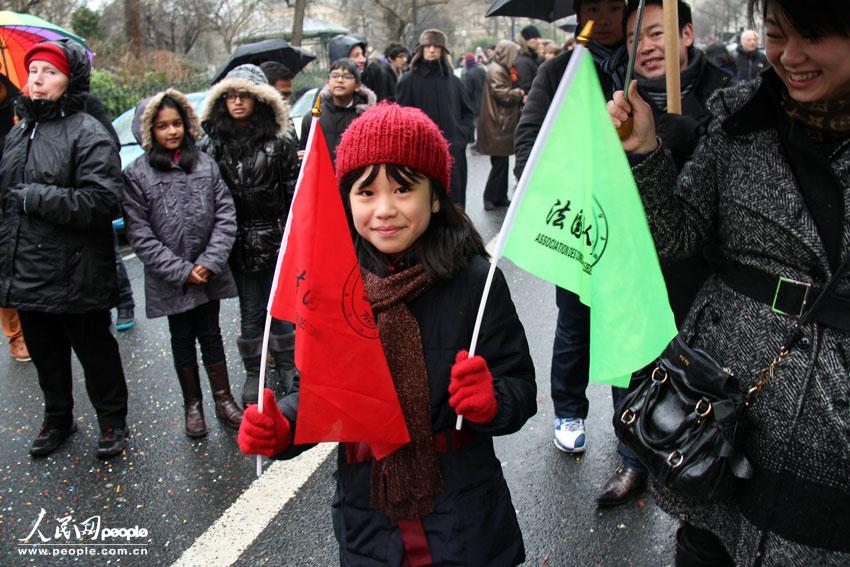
(347, 393)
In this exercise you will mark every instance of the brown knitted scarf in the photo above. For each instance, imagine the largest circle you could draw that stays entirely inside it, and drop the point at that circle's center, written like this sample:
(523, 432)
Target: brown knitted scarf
(404, 483)
(825, 122)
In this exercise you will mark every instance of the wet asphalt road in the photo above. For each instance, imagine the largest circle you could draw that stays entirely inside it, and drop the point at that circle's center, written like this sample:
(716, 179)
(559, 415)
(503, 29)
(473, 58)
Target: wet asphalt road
(176, 488)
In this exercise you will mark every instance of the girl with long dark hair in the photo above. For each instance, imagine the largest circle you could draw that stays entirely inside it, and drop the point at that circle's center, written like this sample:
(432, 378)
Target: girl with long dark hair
(442, 498)
(249, 136)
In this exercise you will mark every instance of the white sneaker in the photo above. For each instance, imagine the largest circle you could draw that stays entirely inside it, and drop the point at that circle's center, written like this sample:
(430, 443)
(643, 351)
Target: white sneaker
(569, 435)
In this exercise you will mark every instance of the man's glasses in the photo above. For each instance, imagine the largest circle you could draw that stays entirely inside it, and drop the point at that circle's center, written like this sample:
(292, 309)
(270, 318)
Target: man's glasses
(341, 77)
(240, 95)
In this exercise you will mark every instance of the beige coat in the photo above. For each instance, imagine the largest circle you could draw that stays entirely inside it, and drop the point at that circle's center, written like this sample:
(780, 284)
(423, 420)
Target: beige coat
(501, 103)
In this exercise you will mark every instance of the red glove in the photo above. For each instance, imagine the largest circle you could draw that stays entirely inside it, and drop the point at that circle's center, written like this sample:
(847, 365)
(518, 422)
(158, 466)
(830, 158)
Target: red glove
(266, 433)
(471, 389)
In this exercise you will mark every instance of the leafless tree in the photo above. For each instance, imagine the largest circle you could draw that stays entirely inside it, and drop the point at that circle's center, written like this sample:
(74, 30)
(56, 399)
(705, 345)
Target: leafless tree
(231, 18)
(176, 26)
(55, 11)
(399, 14)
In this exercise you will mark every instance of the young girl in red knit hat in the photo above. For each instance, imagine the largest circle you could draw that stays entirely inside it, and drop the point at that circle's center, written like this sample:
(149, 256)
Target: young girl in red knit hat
(442, 498)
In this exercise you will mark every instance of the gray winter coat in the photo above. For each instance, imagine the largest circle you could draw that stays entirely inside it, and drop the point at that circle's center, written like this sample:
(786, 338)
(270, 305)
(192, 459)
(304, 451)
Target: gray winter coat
(176, 219)
(740, 189)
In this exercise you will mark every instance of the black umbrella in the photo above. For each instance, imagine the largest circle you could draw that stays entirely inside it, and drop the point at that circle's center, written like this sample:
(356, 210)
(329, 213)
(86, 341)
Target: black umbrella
(547, 10)
(278, 50)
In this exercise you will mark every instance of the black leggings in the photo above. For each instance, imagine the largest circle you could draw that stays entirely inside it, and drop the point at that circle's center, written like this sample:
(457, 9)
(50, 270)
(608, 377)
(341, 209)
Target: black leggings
(201, 324)
(700, 548)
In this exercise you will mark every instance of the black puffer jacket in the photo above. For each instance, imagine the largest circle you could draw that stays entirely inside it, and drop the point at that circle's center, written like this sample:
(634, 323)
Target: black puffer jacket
(474, 521)
(261, 174)
(59, 191)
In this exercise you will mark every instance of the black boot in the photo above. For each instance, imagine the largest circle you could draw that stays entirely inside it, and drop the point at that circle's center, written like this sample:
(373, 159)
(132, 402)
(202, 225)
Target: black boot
(282, 348)
(225, 406)
(250, 351)
(193, 407)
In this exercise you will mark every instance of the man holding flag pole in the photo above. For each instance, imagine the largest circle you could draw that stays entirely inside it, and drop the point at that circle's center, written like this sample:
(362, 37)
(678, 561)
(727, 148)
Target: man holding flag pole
(383, 327)
(571, 349)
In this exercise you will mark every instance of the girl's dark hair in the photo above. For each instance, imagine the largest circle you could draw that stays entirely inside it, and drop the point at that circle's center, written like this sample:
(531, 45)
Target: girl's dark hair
(159, 157)
(444, 249)
(262, 124)
(813, 20)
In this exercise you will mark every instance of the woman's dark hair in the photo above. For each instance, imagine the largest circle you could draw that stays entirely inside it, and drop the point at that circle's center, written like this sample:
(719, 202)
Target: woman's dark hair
(159, 157)
(262, 124)
(444, 249)
(813, 20)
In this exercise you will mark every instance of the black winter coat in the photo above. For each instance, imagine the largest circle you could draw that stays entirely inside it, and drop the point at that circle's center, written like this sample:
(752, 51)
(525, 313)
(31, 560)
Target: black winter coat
(336, 119)
(750, 65)
(527, 65)
(474, 80)
(261, 175)
(59, 191)
(431, 87)
(539, 98)
(474, 522)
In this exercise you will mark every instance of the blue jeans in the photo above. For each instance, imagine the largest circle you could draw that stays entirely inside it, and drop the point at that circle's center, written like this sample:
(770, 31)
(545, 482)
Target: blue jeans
(254, 289)
(571, 365)
(125, 291)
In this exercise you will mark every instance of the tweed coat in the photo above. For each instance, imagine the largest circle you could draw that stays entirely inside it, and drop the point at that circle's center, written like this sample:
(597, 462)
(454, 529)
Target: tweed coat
(740, 189)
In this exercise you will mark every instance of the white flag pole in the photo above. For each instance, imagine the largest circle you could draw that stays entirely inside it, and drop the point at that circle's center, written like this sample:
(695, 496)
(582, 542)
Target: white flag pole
(267, 329)
(531, 164)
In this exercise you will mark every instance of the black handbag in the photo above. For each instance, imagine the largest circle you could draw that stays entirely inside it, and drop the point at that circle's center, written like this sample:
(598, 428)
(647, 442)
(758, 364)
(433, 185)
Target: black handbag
(683, 420)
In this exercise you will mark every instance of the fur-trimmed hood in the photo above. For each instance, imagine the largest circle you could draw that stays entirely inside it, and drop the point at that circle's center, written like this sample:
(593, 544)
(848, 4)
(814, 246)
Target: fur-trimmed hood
(264, 94)
(146, 112)
(363, 99)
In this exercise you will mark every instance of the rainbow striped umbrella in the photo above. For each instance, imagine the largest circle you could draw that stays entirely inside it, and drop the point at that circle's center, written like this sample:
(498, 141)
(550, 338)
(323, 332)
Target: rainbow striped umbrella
(18, 32)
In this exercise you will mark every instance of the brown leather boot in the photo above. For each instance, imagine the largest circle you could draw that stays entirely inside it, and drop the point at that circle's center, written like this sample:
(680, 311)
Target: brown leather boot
(190, 383)
(225, 406)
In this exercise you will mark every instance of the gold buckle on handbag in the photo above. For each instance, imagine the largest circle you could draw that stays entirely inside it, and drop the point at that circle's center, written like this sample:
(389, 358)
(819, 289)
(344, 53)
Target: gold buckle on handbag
(784, 280)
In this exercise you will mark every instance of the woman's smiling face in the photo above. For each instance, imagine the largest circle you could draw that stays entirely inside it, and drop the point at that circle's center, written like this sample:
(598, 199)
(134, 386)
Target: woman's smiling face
(813, 71)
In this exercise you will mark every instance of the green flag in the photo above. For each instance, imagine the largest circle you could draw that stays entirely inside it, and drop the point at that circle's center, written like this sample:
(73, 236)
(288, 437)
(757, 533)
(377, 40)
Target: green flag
(580, 224)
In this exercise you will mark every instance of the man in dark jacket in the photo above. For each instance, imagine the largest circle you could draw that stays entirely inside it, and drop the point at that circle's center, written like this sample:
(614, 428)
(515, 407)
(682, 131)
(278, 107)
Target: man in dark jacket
(749, 61)
(528, 60)
(473, 77)
(59, 191)
(432, 87)
(570, 352)
(382, 75)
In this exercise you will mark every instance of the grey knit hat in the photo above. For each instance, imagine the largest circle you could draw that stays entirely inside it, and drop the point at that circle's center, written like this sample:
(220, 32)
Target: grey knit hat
(250, 73)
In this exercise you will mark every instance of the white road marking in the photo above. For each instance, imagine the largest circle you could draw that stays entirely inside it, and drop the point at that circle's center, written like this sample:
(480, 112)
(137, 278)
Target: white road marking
(129, 256)
(224, 541)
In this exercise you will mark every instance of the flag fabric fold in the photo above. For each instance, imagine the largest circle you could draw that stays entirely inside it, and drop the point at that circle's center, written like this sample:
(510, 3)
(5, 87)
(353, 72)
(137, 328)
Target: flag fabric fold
(346, 390)
(580, 224)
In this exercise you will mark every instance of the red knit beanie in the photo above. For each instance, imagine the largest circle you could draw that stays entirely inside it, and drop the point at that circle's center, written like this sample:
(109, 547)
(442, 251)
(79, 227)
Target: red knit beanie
(401, 135)
(49, 52)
